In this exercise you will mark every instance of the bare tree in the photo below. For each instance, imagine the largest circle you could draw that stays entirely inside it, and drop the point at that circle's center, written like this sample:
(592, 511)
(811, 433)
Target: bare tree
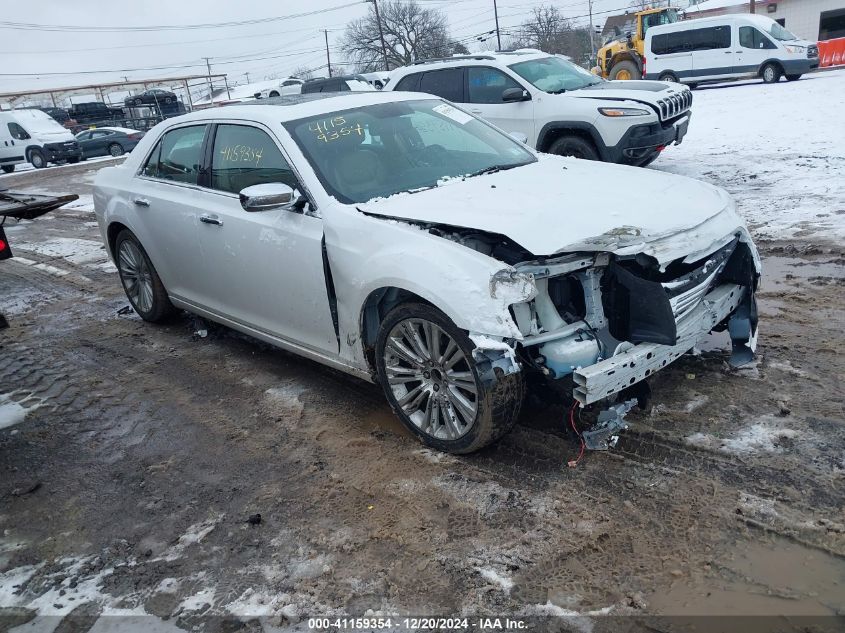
(549, 31)
(303, 72)
(410, 33)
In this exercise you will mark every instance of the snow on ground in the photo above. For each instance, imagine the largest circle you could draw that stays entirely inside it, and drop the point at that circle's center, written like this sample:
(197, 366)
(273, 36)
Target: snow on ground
(22, 167)
(778, 148)
(765, 435)
(74, 250)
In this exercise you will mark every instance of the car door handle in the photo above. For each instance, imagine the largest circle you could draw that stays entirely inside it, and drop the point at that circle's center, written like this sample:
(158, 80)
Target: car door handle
(476, 111)
(211, 219)
(141, 202)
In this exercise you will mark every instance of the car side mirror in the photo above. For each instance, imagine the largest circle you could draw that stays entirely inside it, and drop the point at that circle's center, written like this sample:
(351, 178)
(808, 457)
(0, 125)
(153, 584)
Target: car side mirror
(519, 136)
(273, 195)
(515, 94)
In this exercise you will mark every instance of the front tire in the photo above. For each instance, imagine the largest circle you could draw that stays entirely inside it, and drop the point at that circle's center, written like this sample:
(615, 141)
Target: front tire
(770, 73)
(37, 159)
(431, 381)
(574, 146)
(140, 280)
(793, 77)
(625, 70)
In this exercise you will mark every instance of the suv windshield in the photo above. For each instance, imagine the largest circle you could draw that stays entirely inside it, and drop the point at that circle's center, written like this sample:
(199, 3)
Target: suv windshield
(379, 150)
(780, 33)
(553, 74)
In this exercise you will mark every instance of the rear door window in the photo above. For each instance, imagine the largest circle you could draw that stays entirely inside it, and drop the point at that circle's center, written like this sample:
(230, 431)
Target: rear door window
(244, 156)
(447, 84)
(178, 155)
(409, 83)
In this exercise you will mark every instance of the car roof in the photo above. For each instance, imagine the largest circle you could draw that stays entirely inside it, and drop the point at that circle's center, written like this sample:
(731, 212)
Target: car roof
(502, 57)
(293, 107)
(684, 25)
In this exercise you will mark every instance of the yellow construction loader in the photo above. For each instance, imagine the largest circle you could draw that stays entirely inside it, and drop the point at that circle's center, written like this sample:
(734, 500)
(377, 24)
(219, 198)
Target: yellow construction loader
(621, 57)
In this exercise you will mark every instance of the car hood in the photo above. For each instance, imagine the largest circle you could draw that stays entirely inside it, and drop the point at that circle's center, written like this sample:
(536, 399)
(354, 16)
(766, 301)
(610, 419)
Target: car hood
(59, 136)
(563, 205)
(643, 91)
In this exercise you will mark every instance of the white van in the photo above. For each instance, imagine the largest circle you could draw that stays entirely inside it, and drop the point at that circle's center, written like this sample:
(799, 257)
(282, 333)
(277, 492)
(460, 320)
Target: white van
(736, 46)
(35, 137)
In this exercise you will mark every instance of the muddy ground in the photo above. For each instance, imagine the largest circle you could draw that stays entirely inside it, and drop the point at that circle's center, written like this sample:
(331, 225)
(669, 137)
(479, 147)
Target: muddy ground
(128, 485)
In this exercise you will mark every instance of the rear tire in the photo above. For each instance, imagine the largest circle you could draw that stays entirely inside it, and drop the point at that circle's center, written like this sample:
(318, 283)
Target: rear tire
(627, 69)
(116, 149)
(140, 280)
(669, 77)
(273, 93)
(574, 146)
(770, 73)
(37, 159)
(73, 160)
(8, 169)
(424, 361)
(139, 102)
(692, 86)
(793, 77)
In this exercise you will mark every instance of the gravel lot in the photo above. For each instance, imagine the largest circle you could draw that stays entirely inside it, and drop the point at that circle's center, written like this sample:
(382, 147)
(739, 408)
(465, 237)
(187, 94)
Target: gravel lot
(134, 458)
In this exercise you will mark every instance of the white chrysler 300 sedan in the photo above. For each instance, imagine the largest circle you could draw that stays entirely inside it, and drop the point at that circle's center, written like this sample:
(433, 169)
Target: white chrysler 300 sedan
(396, 237)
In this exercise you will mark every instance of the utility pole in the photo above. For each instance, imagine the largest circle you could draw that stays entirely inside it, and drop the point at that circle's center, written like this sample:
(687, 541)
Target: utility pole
(381, 35)
(328, 57)
(592, 32)
(208, 78)
(247, 77)
(751, 8)
(496, 15)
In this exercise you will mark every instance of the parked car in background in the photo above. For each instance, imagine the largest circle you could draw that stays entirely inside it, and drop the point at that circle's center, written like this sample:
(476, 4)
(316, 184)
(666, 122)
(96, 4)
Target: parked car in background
(154, 97)
(725, 47)
(287, 86)
(59, 114)
(556, 106)
(400, 239)
(377, 80)
(94, 111)
(30, 135)
(108, 141)
(341, 83)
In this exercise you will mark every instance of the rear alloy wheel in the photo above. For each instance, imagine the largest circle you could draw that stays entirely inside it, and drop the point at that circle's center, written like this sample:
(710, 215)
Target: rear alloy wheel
(167, 100)
(138, 102)
(625, 70)
(116, 149)
(770, 73)
(140, 280)
(574, 146)
(37, 158)
(672, 77)
(431, 381)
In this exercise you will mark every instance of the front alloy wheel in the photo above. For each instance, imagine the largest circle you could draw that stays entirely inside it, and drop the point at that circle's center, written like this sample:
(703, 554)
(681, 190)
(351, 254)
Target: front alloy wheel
(431, 380)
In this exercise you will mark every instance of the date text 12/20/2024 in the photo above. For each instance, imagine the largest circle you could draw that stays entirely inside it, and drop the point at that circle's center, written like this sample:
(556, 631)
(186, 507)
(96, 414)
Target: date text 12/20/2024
(417, 624)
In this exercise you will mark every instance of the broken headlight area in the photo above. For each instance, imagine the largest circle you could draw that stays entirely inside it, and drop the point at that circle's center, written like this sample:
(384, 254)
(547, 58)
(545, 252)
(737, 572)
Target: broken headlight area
(607, 323)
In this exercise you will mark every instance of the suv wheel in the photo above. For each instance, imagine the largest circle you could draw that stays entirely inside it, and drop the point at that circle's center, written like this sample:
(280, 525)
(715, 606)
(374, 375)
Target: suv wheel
(574, 146)
(140, 280)
(37, 158)
(425, 366)
(770, 73)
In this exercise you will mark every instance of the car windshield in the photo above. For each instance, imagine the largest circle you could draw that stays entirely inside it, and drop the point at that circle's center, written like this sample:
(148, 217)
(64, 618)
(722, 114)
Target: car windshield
(383, 149)
(780, 33)
(554, 74)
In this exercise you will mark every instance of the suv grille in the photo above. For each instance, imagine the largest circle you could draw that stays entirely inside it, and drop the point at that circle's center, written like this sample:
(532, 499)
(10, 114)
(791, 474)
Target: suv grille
(670, 107)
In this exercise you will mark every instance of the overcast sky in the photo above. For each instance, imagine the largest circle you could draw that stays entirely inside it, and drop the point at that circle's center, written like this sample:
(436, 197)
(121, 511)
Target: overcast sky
(277, 45)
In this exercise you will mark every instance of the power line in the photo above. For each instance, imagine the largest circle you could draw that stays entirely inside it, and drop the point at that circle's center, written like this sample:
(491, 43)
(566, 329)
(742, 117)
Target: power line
(29, 26)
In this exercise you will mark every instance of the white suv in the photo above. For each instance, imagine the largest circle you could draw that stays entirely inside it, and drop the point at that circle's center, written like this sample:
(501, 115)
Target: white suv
(557, 106)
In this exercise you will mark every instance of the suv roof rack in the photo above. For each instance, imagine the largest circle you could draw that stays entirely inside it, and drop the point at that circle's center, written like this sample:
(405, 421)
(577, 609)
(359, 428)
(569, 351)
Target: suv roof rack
(450, 59)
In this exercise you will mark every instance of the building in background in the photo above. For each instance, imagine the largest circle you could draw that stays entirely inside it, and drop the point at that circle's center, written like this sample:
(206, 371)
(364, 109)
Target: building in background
(815, 20)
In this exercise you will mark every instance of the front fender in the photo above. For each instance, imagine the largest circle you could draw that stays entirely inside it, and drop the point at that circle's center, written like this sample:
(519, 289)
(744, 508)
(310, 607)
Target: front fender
(367, 254)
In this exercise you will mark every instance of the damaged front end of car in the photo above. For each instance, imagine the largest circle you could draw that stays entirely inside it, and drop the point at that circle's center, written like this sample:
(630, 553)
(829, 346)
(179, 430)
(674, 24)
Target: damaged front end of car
(606, 322)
